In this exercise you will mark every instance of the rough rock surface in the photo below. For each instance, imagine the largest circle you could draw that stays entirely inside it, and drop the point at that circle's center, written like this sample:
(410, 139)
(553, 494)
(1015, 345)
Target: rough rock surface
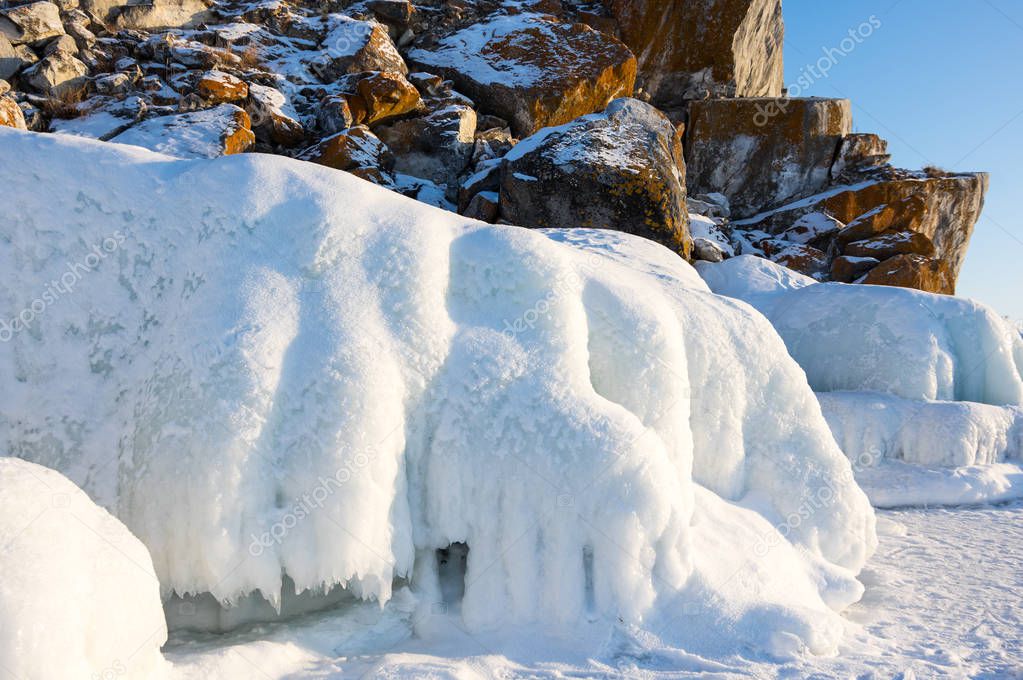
(32, 23)
(10, 113)
(532, 70)
(763, 152)
(914, 271)
(688, 48)
(622, 170)
(163, 14)
(353, 46)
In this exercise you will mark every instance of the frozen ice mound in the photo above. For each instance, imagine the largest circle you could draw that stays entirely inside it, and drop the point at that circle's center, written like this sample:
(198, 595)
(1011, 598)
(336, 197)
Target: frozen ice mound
(78, 595)
(923, 392)
(271, 370)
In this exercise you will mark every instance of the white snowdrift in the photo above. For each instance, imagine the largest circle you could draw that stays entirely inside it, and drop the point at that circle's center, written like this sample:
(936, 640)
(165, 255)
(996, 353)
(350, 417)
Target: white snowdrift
(888, 364)
(78, 596)
(893, 340)
(909, 452)
(266, 367)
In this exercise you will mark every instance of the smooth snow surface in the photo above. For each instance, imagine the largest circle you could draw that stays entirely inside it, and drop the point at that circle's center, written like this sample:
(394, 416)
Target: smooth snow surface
(78, 596)
(267, 367)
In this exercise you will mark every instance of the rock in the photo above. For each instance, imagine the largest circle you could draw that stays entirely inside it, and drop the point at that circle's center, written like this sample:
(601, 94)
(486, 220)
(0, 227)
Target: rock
(64, 43)
(218, 87)
(859, 154)
(532, 70)
(621, 170)
(334, 114)
(354, 149)
(812, 227)
(487, 177)
(220, 131)
(846, 269)
(397, 12)
(761, 153)
(163, 14)
(707, 250)
(57, 74)
(914, 271)
(386, 96)
(80, 33)
(10, 62)
(10, 113)
(944, 209)
(687, 48)
(483, 207)
(353, 46)
(115, 83)
(888, 245)
(804, 259)
(437, 146)
(31, 24)
(273, 116)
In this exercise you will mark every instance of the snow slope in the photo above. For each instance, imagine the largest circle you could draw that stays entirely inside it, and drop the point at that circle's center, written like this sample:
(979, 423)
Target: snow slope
(923, 392)
(268, 368)
(78, 596)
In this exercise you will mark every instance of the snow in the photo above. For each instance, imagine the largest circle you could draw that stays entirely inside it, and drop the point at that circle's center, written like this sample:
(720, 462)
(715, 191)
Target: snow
(78, 597)
(928, 453)
(897, 341)
(197, 134)
(270, 368)
(943, 599)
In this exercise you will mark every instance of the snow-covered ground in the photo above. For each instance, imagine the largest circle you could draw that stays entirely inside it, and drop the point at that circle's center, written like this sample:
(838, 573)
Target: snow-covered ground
(944, 599)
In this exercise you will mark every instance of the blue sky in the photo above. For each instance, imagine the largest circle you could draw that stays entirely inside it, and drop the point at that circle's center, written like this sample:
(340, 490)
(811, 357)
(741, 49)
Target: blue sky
(942, 81)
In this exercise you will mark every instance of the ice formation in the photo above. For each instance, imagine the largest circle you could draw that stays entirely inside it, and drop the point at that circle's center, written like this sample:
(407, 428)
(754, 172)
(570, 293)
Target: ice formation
(923, 392)
(894, 340)
(269, 368)
(78, 595)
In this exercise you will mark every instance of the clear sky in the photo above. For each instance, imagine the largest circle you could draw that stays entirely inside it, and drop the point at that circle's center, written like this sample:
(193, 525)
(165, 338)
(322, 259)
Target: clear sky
(942, 81)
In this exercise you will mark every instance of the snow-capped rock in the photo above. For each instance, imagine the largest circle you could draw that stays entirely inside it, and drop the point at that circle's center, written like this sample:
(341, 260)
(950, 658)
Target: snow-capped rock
(531, 69)
(621, 169)
(270, 368)
(78, 597)
(209, 133)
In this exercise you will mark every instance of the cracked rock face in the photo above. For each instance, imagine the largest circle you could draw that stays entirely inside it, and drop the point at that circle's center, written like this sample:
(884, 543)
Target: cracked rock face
(687, 49)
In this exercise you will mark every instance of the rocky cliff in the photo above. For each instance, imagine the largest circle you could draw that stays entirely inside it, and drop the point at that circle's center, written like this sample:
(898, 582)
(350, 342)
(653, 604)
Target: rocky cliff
(621, 114)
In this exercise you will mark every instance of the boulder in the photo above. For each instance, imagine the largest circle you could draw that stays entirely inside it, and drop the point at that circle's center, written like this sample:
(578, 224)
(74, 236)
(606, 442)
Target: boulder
(483, 207)
(859, 154)
(273, 117)
(386, 96)
(942, 209)
(804, 259)
(688, 48)
(31, 24)
(10, 61)
(351, 150)
(57, 74)
(532, 70)
(621, 169)
(846, 269)
(914, 271)
(218, 87)
(353, 46)
(10, 113)
(763, 152)
(160, 14)
(220, 131)
(437, 146)
(891, 244)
